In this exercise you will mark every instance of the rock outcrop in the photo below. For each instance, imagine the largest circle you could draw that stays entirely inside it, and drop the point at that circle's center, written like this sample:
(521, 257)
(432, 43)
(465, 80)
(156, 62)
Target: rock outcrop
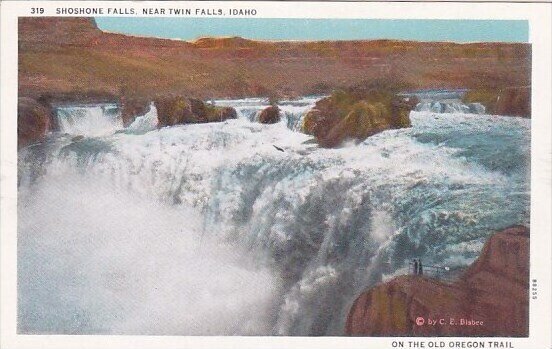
(41, 32)
(514, 101)
(353, 116)
(490, 299)
(180, 110)
(33, 121)
(132, 107)
(228, 113)
(270, 115)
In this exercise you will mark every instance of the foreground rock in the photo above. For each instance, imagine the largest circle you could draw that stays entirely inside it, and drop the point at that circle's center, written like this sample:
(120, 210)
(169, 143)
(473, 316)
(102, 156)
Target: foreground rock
(180, 110)
(270, 115)
(33, 121)
(356, 116)
(493, 292)
(515, 101)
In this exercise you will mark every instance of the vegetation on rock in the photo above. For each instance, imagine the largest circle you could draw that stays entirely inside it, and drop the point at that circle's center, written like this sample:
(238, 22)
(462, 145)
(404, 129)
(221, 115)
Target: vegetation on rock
(356, 114)
(181, 110)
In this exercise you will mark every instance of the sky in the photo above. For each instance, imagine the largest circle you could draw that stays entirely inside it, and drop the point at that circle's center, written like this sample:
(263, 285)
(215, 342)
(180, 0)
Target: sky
(321, 29)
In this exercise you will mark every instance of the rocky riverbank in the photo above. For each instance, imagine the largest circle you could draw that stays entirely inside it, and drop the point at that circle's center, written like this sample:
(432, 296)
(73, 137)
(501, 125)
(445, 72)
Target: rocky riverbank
(490, 299)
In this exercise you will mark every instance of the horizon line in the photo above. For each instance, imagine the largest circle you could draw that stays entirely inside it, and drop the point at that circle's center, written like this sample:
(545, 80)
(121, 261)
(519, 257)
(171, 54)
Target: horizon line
(457, 31)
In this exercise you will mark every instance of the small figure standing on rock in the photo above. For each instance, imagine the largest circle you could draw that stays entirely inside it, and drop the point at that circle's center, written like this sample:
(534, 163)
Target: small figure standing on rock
(415, 268)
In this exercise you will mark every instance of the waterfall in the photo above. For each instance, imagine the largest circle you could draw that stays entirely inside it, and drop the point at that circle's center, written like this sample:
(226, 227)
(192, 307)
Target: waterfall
(144, 123)
(291, 111)
(444, 101)
(89, 120)
(451, 107)
(208, 229)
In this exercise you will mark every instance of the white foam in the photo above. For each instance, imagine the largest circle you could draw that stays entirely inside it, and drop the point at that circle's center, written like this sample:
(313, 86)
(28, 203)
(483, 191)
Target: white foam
(146, 122)
(94, 259)
(326, 221)
(94, 120)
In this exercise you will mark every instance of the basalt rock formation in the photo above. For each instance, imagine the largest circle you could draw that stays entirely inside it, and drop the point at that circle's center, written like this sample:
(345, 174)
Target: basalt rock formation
(36, 117)
(350, 115)
(132, 107)
(515, 101)
(270, 115)
(72, 60)
(33, 121)
(490, 299)
(181, 110)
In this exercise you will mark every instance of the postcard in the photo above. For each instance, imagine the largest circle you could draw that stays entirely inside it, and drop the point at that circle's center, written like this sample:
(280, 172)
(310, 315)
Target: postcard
(275, 175)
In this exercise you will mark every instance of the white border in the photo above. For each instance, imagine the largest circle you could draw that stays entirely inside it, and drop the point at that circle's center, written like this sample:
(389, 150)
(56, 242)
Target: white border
(539, 17)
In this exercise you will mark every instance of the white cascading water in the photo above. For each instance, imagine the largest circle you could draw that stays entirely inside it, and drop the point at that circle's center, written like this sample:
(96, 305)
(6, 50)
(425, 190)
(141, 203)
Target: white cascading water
(451, 107)
(89, 120)
(445, 101)
(209, 229)
(144, 123)
(292, 111)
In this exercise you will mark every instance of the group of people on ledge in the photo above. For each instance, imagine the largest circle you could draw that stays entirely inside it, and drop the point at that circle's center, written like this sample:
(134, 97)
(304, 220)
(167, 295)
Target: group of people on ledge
(417, 267)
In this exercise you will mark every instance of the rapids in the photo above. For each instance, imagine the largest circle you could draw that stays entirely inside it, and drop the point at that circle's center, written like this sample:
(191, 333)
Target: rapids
(89, 120)
(209, 229)
(445, 101)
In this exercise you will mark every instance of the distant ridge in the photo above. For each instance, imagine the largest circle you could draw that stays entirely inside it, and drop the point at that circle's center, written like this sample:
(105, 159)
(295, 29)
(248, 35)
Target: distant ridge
(71, 55)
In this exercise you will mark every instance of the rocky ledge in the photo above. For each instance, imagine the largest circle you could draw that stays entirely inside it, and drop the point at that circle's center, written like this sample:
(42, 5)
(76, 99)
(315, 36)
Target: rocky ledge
(490, 299)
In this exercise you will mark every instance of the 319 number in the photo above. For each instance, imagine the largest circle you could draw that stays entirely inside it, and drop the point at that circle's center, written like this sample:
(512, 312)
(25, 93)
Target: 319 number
(37, 10)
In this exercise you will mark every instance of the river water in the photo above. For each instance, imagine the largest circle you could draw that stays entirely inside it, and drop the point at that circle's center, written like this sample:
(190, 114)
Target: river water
(210, 229)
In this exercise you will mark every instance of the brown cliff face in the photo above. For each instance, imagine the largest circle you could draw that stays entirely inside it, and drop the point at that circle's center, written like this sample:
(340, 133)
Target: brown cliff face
(44, 32)
(72, 55)
(493, 291)
(507, 101)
